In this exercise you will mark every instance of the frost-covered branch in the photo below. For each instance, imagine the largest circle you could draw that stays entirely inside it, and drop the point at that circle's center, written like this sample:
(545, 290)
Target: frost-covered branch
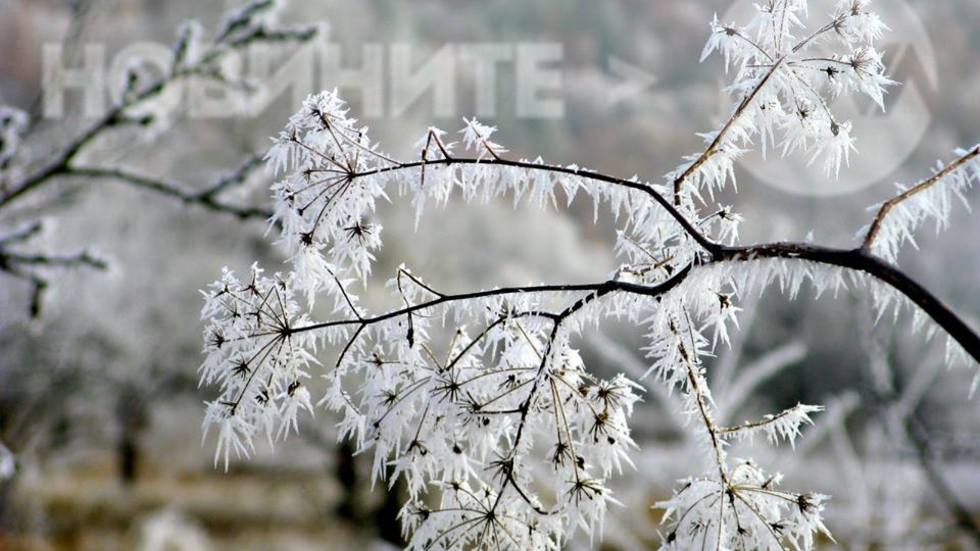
(861, 262)
(35, 268)
(208, 198)
(897, 218)
(855, 259)
(194, 57)
(478, 399)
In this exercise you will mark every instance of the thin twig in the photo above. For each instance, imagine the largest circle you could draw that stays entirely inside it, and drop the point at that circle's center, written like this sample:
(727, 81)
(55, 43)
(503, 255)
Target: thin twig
(890, 204)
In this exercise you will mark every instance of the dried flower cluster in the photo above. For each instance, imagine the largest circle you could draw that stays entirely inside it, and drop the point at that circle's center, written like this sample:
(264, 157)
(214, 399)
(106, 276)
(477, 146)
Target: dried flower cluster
(480, 400)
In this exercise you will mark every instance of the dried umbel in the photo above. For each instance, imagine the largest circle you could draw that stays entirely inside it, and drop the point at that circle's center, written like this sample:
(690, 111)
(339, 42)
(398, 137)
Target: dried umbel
(479, 399)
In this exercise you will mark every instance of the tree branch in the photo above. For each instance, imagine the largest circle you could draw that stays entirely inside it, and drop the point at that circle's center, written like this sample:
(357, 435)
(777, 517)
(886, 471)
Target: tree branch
(855, 259)
(206, 198)
(557, 169)
(890, 204)
(22, 266)
(713, 147)
(860, 260)
(594, 290)
(116, 115)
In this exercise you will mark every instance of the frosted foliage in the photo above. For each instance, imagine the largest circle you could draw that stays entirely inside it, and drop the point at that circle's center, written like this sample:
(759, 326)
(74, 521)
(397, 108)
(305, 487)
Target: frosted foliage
(787, 73)
(746, 511)
(250, 339)
(480, 400)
